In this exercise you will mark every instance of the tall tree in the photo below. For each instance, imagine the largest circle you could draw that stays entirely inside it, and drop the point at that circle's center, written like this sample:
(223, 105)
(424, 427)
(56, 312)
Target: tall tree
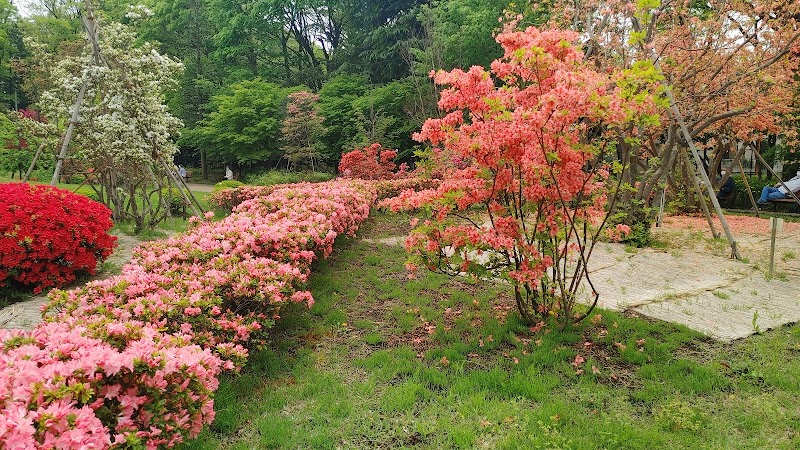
(244, 126)
(728, 65)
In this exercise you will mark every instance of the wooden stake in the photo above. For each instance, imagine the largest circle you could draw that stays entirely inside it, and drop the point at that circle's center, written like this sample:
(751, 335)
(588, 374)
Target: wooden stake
(749, 191)
(774, 221)
(91, 31)
(699, 191)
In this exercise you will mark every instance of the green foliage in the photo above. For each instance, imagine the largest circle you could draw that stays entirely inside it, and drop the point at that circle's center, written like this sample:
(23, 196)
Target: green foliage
(10, 46)
(336, 106)
(636, 216)
(279, 177)
(244, 126)
(227, 184)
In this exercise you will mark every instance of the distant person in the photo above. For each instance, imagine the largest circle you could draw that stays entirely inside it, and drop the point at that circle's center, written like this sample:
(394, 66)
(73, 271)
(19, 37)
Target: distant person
(228, 173)
(778, 191)
(182, 172)
(726, 191)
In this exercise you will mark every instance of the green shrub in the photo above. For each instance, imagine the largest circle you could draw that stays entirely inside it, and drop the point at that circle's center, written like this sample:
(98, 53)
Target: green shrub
(173, 198)
(741, 199)
(87, 191)
(273, 177)
(227, 184)
(636, 216)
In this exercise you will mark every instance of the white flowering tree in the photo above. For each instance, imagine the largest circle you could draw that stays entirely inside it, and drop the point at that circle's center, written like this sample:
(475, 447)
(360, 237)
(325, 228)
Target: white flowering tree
(123, 132)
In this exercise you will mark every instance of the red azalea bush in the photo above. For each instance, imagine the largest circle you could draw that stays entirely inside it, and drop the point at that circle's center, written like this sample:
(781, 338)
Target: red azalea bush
(116, 385)
(370, 163)
(48, 235)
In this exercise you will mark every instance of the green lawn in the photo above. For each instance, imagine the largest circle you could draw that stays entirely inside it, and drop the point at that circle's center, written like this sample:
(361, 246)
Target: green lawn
(386, 362)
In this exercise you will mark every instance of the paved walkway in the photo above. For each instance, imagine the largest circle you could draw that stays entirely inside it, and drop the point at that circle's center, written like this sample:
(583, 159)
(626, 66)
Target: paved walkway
(197, 187)
(695, 284)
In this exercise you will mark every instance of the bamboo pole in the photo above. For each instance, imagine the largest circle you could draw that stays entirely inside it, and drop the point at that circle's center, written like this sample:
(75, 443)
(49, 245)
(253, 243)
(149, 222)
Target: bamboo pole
(685, 160)
(35, 159)
(749, 190)
(91, 31)
(196, 208)
(709, 188)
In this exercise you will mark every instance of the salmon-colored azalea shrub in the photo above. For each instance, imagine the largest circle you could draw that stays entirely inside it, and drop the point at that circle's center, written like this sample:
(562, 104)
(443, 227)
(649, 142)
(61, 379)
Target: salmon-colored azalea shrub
(525, 145)
(48, 235)
(371, 163)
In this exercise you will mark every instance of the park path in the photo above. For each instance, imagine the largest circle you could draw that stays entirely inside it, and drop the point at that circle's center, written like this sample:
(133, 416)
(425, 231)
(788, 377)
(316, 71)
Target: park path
(26, 315)
(197, 187)
(693, 281)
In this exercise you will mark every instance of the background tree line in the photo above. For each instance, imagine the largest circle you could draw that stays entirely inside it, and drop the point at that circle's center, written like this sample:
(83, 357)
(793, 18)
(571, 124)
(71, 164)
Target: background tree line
(367, 61)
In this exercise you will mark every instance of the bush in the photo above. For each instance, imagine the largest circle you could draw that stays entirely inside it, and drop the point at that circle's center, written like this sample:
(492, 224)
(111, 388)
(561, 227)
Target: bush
(227, 184)
(174, 199)
(274, 177)
(223, 283)
(370, 163)
(49, 235)
(636, 217)
(88, 192)
(121, 384)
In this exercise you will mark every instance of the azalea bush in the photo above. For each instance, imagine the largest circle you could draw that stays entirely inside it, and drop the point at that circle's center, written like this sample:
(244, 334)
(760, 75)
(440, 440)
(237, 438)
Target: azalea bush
(132, 361)
(116, 385)
(223, 283)
(371, 163)
(524, 146)
(48, 235)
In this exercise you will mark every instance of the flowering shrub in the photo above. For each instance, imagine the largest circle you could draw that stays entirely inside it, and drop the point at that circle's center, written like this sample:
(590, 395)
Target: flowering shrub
(132, 361)
(525, 142)
(223, 283)
(370, 163)
(227, 199)
(392, 188)
(48, 235)
(118, 385)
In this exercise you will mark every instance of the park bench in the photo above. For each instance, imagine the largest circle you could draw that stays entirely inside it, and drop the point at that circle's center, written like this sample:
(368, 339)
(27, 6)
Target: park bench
(188, 176)
(793, 206)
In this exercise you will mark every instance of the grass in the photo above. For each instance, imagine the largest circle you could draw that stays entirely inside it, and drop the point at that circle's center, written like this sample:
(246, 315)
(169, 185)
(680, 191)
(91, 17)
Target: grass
(381, 361)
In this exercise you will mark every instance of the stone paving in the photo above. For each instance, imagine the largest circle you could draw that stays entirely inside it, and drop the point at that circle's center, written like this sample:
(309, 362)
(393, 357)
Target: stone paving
(695, 284)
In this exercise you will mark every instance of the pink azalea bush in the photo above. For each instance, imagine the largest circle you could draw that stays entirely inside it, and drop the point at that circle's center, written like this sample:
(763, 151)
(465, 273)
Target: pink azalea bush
(121, 385)
(95, 376)
(223, 282)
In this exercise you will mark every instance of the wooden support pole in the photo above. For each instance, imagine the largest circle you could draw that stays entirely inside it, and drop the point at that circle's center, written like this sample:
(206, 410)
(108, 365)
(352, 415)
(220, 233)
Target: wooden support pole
(91, 31)
(774, 223)
(35, 159)
(749, 190)
(700, 194)
(183, 189)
